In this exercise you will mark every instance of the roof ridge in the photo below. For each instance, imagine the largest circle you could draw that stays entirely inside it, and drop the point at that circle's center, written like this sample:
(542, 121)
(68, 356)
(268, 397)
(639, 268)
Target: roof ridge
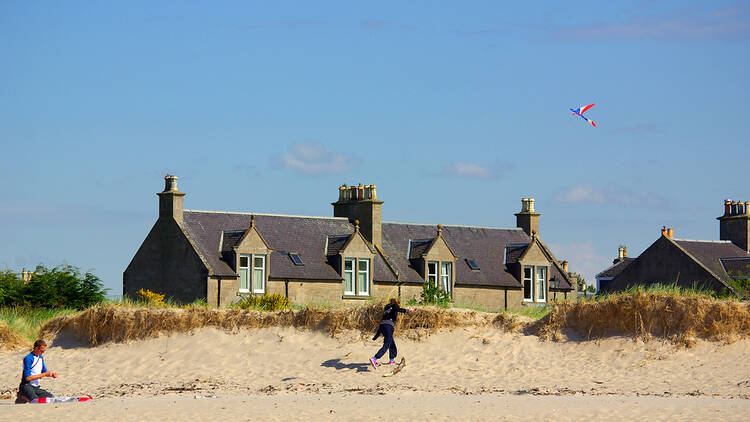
(704, 241)
(268, 215)
(454, 225)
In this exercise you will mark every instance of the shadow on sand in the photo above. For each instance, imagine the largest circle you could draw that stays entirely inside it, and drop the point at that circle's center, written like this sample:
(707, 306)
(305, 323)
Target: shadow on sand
(338, 365)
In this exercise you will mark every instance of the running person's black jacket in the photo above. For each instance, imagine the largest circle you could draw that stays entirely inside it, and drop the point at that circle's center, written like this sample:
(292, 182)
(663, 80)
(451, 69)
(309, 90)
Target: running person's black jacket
(390, 315)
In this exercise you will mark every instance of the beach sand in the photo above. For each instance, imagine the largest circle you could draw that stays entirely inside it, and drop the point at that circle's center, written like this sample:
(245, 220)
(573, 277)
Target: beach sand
(472, 373)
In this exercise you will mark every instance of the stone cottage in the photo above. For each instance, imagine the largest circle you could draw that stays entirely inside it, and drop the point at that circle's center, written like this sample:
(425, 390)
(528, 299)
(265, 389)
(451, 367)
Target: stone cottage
(707, 264)
(352, 256)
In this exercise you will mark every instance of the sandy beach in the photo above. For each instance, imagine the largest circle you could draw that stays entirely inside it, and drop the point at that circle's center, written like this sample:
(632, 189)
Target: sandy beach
(472, 373)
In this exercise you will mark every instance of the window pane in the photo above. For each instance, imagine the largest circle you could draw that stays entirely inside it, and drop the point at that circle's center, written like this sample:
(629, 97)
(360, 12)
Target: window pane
(244, 261)
(349, 276)
(349, 283)
(364, 277)
(258, 280)
(445, 276)
(432, 273)
(527, 273)
(244, 279)
(541, 283)
(258, 261)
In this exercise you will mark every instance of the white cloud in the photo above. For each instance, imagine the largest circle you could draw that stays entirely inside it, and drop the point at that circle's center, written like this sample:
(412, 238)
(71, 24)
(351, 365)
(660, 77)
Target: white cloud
(611, 193)
(471, 170)
(690, 23)
(312, 158)
(580, 193)
(582, 259)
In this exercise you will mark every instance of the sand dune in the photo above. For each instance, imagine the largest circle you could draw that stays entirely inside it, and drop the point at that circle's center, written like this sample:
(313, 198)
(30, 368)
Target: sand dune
(285, 373)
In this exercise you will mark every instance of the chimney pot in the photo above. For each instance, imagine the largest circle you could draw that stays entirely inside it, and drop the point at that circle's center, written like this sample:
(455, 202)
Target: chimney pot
(670, 233)
(664, 231)
(374, 196)
(727, 207)
(620, 253)
(734, 208)
(170, 183)
(531, 204)
(565, 266)
(524, 204)
(342, 189)
(360, 191)
(740, 207)
(747, 207)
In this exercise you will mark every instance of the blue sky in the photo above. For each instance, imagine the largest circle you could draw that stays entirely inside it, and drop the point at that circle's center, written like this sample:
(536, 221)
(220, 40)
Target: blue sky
(454, 110)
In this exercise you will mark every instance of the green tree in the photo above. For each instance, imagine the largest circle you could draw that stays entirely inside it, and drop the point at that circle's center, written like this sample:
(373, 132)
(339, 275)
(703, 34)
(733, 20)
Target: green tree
(59, 287)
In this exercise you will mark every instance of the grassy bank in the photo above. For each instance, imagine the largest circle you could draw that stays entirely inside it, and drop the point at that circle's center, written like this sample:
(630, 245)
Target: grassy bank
(22, 325)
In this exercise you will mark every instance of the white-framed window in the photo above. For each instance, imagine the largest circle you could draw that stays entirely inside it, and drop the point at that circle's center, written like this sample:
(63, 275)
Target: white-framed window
(432, 272)
(363, 277)
(349, 276)
(259, 273)
(541, 284)
(245, 273)
(446, 271)
(528, 275)
(534, 283)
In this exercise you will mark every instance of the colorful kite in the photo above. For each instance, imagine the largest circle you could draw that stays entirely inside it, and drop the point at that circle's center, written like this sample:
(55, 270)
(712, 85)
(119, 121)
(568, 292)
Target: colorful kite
(580, 110)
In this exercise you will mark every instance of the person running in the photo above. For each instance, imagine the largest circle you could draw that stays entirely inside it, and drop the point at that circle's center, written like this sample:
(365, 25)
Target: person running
(387, 324)
(34, 369)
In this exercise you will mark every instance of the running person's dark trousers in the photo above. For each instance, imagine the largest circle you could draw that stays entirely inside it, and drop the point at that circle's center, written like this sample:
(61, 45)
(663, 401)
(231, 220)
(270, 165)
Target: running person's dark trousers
(31, 392)
(388, 343)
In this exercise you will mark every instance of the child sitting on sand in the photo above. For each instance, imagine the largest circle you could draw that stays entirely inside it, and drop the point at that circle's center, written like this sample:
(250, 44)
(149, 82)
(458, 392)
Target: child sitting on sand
(386, 327)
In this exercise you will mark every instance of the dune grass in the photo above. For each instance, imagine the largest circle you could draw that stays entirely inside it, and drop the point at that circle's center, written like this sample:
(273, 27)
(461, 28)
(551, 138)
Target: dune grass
(27, 322)
(675, 314)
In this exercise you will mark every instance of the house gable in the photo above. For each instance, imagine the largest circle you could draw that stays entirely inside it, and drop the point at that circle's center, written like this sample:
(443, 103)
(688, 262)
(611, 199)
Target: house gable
(664, 262)
(167, 262)
(534, 255)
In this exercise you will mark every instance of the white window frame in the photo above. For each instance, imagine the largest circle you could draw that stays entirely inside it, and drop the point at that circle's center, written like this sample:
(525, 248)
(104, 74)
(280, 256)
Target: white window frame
(263, 274)
(366, 273)
(446, 273)
(248, 273)
(543, 281)
(352, 273)
(530, 280)
(433, 275)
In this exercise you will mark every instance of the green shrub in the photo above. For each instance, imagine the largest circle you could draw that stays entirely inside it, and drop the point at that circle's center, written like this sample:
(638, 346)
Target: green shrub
(434, 295)
(271, 303)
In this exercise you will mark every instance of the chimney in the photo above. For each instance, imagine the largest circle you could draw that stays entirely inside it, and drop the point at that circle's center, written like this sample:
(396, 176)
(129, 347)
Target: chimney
(528, 219)
(664, 231)
(670, 233)
(622, 253)
(170, 200)
(734, 225)
(361, 203)
(565, 266)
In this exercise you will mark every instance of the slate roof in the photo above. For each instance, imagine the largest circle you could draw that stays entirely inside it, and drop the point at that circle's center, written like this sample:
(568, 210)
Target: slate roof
(313, 237)
(336, 242)
(484, 245)
(513, 252)
(419, 247)
(709, 253)
(737, 267)
(616, 268)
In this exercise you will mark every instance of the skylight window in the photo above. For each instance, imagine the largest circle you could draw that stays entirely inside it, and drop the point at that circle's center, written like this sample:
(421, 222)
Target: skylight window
(296, 258)
(472, 264)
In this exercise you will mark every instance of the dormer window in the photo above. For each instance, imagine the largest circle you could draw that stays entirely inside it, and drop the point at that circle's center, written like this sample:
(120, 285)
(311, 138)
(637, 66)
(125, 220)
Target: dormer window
(255, 279)
(534, 283)
(356, 277)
